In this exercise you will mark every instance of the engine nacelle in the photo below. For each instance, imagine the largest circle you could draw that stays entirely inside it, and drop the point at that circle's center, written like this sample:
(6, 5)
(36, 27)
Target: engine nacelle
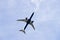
(26, 18)
(32, 21)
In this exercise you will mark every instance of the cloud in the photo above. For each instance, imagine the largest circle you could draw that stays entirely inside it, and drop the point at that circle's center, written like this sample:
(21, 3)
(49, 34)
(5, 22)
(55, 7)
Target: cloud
(37, 4)
(11, 3)
(45, 10)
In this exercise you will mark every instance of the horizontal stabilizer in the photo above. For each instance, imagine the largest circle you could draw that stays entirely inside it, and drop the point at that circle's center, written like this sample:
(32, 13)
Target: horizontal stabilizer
(23, 31)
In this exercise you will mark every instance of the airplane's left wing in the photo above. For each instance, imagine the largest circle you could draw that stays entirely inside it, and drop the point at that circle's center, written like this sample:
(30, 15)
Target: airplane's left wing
(22, 20)
(32, 26)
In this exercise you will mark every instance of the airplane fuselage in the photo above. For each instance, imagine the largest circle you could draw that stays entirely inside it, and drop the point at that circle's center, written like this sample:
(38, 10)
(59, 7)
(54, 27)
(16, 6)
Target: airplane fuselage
(29, 20)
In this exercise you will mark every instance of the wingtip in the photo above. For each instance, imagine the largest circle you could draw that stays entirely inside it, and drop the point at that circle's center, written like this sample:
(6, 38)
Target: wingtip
(17, 20)
(34, 28)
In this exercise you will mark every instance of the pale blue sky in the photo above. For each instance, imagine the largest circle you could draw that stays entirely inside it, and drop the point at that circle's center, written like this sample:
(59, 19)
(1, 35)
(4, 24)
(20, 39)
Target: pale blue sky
(46, 19)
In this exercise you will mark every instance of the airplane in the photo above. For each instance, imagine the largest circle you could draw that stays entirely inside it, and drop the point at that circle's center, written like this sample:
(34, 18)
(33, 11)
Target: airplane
(28, 21)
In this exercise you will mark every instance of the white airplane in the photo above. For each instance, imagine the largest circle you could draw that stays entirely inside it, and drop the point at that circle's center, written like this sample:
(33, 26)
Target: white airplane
(28, 21)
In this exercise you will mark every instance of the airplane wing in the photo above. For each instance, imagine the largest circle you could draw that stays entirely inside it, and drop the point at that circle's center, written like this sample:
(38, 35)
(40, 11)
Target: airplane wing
(32, 26)
(22, 20)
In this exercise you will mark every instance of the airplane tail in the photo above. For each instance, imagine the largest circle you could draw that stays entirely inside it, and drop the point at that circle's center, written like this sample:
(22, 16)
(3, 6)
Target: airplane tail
(22, 31)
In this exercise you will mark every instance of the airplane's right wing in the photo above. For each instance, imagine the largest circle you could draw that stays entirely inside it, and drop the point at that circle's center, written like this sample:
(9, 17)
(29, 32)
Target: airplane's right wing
(32, 26)
(22, 20)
